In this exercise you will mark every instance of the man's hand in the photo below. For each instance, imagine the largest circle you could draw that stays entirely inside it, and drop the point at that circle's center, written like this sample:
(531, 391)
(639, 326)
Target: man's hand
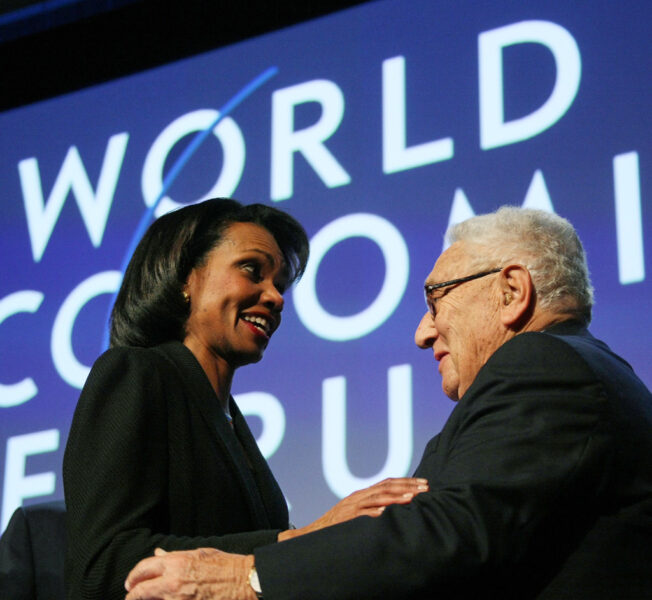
(203, 574)
(370, 501)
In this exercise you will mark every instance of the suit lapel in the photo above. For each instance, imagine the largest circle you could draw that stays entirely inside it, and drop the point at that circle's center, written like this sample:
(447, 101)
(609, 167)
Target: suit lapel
(266, 485)
(203, 397)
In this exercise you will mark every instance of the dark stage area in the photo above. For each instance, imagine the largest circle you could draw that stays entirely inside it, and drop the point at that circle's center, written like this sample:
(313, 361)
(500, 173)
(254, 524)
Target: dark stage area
(55, 47)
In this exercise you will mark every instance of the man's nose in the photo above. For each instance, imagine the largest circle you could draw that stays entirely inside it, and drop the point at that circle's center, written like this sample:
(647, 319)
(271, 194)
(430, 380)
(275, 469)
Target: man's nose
(425, 335)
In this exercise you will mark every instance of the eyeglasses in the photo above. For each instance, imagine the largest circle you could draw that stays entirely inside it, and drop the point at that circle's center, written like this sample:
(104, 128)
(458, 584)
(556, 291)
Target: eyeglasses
(429, 289)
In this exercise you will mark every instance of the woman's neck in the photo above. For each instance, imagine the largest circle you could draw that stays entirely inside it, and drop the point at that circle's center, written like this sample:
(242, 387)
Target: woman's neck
(218, 371)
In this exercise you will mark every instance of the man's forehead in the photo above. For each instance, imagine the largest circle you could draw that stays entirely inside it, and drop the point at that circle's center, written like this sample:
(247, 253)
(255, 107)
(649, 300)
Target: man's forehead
(449, 265)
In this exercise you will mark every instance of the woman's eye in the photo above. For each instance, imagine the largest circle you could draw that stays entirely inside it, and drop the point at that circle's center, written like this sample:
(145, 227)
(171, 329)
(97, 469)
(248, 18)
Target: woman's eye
(253, 269)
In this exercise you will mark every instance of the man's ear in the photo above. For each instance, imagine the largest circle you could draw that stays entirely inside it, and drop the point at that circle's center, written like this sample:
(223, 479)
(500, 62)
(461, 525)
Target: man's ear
(517, 296)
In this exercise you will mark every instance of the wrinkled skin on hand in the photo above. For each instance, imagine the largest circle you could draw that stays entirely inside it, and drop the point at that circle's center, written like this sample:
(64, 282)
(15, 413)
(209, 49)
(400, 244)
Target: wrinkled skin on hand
(209, 574)
(202, 574)
(370, 501)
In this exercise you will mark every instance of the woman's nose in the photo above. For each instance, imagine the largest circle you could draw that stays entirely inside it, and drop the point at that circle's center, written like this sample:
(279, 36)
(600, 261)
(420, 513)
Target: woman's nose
(272, 298)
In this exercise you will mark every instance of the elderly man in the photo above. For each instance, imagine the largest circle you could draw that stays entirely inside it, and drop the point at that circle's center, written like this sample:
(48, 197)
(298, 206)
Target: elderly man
(541, 479)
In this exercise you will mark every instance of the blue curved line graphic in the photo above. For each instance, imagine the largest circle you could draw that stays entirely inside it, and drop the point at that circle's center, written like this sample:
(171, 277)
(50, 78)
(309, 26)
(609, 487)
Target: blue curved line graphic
(177, 167)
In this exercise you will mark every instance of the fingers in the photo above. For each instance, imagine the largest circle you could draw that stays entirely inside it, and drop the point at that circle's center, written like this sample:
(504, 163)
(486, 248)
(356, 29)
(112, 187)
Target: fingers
(207, 552)
(369, 501)
(390, 491)
(146, 590)
(148, 568)
(373, 512)
(402, 483)
(177, 575)
(395, 486)
(398, 490)
(378, 500)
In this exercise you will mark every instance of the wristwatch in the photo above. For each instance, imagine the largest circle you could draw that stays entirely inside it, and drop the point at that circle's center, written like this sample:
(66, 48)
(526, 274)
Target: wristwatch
(254, 583)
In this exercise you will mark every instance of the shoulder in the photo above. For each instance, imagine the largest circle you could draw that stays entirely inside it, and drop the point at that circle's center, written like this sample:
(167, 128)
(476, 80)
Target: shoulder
(128, 387)
(540, 351)
(538, 384)
(566, 348)
(539, 365)
(130, 360)
(132, 354)
(124, 374)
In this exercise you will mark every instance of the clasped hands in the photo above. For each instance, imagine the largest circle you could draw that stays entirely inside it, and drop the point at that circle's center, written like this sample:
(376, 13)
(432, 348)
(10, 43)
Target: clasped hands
(209, 574)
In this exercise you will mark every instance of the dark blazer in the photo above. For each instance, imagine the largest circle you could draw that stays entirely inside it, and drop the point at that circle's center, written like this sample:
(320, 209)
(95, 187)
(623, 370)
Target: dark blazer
(540, 487)
(31, 553)
(151, 461)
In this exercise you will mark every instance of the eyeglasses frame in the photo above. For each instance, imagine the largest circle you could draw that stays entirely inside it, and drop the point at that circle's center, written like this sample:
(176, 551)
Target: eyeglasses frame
(428, 289)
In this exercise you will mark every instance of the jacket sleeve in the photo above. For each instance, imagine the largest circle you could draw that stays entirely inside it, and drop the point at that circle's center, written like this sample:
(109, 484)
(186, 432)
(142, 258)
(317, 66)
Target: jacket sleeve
(521, 457)
(116, 478)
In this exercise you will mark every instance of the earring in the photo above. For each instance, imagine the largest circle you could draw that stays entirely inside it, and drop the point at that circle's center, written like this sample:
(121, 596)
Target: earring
(186, 297)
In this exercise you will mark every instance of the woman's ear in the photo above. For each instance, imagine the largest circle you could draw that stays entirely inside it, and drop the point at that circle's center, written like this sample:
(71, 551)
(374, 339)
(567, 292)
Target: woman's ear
(517, 295)
(189, 286)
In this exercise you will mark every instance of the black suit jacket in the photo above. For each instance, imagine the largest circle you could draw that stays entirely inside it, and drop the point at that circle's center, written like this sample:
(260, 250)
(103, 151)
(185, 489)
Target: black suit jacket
(31, 553)
(151, 461)
(540, 487)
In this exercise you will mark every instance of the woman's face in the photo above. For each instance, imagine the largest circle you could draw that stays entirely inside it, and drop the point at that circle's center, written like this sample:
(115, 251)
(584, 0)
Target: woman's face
(236, 297)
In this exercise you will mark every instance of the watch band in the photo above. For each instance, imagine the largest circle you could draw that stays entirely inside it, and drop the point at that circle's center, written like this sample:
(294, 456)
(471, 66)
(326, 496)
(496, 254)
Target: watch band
(254, 582)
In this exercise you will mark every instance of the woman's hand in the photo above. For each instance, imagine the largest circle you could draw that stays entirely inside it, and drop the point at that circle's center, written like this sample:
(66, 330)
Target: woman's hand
(370, 501)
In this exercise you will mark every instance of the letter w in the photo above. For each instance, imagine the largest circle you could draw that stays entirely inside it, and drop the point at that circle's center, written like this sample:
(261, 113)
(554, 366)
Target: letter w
(93, 205)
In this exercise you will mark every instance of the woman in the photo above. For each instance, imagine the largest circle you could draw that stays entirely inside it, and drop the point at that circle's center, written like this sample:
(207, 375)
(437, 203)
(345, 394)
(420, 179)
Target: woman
(158, 454)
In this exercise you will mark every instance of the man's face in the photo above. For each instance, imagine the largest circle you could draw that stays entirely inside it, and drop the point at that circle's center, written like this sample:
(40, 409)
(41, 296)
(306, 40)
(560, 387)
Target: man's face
(466, 329)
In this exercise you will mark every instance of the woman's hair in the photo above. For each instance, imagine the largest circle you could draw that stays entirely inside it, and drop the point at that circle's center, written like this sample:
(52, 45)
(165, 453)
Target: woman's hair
(545, 243)
(150, 308)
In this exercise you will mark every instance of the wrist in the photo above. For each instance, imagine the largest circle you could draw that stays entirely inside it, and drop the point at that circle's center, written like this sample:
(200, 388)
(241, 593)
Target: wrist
(288, 534)
(254, 582)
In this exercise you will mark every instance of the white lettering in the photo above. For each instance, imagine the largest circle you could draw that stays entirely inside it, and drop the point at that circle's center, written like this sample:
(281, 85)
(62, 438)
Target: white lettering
(399, 419)
(629, 228)
(396, 155)
(24, 301)
(460, 211)
(308, 141)
(537, 195)
(17, 485)
(69, 368)
(494, 131)
(233, 145)
(94, 206)
(397, 263)
(267, 408)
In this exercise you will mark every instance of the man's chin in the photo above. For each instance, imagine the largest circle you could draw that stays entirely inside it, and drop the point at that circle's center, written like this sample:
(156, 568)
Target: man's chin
(450, 389)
